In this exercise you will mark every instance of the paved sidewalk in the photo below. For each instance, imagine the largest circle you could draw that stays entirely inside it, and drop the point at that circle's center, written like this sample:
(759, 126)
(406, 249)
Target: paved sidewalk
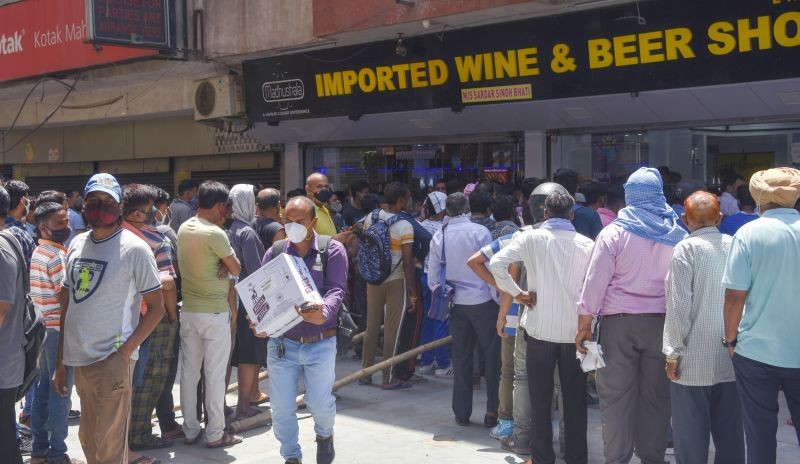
(408, 426)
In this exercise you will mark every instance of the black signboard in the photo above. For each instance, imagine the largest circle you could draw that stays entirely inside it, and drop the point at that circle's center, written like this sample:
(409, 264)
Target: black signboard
(136, 23)
(640, 46)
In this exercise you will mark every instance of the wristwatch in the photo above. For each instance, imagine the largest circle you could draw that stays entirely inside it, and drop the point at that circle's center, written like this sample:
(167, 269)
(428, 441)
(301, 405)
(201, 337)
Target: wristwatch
(729, 344)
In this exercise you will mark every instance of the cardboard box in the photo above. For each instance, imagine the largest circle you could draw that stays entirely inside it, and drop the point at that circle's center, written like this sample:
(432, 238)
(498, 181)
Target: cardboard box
(271, 293)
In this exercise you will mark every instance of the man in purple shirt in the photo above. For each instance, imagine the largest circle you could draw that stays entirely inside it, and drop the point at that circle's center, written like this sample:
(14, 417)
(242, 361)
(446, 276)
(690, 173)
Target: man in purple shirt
(308, 349)
(624, 288)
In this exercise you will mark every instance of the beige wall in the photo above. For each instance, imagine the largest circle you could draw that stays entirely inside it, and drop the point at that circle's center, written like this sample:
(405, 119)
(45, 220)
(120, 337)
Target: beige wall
(129, 140)
(237, 27)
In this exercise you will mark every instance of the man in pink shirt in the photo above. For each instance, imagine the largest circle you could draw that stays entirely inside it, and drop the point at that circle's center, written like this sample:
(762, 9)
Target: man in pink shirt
(624, 289)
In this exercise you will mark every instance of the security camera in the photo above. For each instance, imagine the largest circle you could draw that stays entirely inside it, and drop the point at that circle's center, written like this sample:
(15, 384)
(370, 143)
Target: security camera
(400, 49)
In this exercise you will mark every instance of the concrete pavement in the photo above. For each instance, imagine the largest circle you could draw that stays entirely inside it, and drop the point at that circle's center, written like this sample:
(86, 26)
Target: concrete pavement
(412, 426)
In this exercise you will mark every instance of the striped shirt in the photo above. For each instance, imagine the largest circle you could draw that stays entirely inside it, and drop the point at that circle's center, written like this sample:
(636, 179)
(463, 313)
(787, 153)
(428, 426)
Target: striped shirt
(47, 277)
(162, 250)
(556, 262)
(694, 327)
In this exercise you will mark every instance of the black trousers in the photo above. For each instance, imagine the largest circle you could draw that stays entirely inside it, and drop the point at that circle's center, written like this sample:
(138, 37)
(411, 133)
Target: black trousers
(9, 451)
(409, 334)
(471, 325)
(542, 360)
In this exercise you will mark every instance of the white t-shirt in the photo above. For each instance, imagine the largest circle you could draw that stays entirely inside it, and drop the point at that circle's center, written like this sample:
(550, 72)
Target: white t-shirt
(106, 280)
(400, 233)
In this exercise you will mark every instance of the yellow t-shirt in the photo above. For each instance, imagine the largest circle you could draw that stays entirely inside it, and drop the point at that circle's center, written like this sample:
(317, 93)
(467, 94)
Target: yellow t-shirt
(324, 222)
(201, 246)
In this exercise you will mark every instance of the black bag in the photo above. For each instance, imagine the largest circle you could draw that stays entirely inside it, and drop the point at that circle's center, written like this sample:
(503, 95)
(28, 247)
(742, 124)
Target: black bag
(346, 327)
(33, 327)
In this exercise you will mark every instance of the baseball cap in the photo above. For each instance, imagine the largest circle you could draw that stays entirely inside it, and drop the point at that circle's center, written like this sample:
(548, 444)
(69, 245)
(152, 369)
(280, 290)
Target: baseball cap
(105, 183)
(437, 200)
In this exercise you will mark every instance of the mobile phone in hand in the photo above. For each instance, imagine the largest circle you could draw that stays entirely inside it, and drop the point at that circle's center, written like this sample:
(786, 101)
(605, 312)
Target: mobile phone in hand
(308, 306)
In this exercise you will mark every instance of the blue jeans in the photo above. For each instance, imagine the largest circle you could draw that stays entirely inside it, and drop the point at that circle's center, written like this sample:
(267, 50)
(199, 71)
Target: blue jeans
(433, 329)
(141, 363)
(702, 412)
(50, 410)
(316, 362)
(758, 385)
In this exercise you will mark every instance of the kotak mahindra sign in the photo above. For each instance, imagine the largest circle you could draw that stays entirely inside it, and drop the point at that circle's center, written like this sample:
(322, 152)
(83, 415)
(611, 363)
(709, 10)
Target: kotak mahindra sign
(44, 36)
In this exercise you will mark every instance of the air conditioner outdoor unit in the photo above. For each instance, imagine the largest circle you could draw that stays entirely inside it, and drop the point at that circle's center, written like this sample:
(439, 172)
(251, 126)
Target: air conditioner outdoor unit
(219, 97)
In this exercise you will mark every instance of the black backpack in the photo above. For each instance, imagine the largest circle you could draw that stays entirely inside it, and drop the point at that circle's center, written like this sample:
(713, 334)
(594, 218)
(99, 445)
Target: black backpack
(346, 327)
(32, 324)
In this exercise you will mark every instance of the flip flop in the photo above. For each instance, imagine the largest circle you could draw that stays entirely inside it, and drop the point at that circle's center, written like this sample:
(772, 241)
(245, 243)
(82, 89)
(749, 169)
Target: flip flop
(153, 442)
(226, 440)
(397, 386)
(177, 432)
(264, 398)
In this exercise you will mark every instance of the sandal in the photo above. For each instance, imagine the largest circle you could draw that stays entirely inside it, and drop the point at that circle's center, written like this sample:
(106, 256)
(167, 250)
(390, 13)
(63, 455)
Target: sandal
(397, 386)
(177, 432)
(152, 442)
(263, 398)
(145, 460)
(226, 440)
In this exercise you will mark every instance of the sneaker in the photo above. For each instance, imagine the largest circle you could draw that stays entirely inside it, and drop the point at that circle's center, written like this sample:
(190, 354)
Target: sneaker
(74, 414)
(504, 428)
(325, 451)
(446, 373)
(293, 461)
(428, 369)
(511, 444)
(24, 430)
(25, 445)
(670, 449)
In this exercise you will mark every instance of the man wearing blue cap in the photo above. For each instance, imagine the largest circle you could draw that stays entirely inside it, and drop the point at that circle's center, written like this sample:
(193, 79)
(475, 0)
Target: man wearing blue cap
(109, 271)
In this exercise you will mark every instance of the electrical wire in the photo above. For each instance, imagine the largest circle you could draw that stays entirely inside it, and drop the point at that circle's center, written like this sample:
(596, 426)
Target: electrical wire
(28, 96)
(46, 119)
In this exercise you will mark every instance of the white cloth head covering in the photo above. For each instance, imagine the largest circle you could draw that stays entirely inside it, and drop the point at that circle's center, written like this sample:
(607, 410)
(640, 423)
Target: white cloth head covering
(243, 200)
(438, 201)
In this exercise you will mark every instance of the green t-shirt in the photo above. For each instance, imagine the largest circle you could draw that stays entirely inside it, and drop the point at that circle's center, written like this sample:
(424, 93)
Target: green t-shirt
(201, 246)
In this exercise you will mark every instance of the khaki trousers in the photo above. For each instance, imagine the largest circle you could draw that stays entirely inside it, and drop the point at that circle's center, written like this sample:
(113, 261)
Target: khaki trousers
(105, 391)
(392, 295)
(506, 409)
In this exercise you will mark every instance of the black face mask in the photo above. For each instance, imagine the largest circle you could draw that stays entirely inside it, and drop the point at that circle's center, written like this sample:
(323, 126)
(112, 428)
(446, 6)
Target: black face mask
(60, 235)
(323, 196)
(151, 217)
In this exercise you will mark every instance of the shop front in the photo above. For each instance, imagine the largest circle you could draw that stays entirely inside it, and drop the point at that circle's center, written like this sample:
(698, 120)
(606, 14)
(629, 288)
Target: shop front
(701, 87)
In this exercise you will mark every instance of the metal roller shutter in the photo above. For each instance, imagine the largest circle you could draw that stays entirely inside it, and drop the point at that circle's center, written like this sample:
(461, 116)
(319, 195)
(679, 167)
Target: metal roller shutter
(266, 177)
(165, 180)
(60, 183)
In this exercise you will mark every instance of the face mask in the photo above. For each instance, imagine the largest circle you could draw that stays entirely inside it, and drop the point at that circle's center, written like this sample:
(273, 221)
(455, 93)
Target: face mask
(164, 219)
(78, 203)
(151, 216)
(323, 196)
(27, 207)
(100, 215)
(295, 232)
(194, 202)
(60, 235)
(336, 207)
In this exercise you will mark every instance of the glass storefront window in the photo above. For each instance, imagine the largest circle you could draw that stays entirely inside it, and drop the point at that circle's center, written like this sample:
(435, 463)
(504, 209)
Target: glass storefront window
(418, 165)
(616, 156)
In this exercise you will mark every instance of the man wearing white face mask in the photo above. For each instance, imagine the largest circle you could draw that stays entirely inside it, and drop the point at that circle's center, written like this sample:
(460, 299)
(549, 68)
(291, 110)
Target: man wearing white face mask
(308, 349)
(250, 352)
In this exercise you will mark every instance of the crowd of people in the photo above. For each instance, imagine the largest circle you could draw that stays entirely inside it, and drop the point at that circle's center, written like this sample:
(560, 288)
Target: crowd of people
(687, 291)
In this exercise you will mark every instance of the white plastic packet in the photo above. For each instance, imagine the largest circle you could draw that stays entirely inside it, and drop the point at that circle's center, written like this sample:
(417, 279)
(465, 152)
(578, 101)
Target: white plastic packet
(593, 359)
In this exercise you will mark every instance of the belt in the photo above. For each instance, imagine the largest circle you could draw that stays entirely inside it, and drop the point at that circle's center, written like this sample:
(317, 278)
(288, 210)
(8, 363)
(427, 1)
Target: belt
(634, 314)
(324, 335)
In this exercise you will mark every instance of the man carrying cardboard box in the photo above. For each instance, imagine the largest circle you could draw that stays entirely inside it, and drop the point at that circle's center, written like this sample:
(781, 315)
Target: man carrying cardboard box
(309, 348)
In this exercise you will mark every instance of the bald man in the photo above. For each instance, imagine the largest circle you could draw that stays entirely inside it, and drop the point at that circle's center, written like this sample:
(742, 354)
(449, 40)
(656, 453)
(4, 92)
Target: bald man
(703, 388)
(319, 191)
